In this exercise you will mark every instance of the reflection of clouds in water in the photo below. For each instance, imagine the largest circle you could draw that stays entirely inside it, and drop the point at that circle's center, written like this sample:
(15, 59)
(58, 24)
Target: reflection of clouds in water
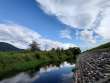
(20, 78)
(67, 78)
(53, 68)
(66, 64)
(26, 78)
(48, 69)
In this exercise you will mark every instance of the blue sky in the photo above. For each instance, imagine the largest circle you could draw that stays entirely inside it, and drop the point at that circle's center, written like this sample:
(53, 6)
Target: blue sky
(51, 20)
(29, 14)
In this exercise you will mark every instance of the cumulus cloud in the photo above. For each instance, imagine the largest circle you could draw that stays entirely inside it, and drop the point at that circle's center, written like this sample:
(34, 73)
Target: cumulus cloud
(86, 15)
(21, 36)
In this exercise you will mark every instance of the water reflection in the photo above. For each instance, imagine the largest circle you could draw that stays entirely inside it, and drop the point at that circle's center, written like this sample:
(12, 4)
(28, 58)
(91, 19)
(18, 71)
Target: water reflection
(48, 74)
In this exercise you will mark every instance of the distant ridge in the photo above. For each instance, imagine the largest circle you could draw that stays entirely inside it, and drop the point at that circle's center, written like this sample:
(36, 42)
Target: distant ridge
(103, 46)
(8, 47)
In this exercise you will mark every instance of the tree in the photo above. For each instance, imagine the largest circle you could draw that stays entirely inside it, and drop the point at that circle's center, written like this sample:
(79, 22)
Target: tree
(34, 46)
(53, 50)
(72, 53)
(77, 51)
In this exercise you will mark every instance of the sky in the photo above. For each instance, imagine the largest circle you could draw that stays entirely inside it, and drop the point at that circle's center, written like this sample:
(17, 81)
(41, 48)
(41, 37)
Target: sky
(55, 23)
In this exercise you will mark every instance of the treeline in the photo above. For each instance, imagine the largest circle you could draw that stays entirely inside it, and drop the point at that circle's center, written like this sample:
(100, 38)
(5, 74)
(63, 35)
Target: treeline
(33, 58)
(58, 54)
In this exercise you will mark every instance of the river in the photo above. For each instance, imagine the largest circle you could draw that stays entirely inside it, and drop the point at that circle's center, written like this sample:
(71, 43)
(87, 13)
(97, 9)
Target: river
(47, 74)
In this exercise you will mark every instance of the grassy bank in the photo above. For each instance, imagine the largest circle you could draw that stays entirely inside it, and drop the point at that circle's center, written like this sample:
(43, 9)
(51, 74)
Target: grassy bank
(12, 63)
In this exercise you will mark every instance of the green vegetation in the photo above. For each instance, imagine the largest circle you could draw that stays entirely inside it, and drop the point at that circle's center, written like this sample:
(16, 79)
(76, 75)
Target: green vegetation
(30, 60)
(34, 46)
(103, 46)
(107, 45)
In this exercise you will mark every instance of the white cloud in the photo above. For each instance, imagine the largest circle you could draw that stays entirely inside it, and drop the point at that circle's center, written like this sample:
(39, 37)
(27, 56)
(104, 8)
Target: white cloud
(22, 36)
(81, 14)
(66, 33)
(104, 28)
(88, 36)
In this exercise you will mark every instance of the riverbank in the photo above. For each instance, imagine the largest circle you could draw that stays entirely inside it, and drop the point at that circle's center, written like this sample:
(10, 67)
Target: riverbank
(12, 63)
(46, 74)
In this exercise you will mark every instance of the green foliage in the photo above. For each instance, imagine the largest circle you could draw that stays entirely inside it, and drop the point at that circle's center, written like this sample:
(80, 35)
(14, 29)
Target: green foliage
(14, 62)
(8, 47)
(34, 46)
(103, 46)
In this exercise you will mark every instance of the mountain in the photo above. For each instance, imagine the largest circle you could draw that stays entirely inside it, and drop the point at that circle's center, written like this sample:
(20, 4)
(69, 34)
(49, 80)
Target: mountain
(8, 47)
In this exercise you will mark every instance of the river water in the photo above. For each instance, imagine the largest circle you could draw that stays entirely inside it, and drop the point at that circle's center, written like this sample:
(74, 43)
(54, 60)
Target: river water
(48, 74)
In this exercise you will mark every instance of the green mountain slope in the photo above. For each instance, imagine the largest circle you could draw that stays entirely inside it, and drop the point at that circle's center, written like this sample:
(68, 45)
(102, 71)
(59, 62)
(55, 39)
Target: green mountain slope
(103, 46)
(8, 47)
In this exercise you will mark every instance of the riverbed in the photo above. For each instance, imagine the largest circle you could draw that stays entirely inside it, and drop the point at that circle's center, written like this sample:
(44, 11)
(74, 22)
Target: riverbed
(48, 74)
